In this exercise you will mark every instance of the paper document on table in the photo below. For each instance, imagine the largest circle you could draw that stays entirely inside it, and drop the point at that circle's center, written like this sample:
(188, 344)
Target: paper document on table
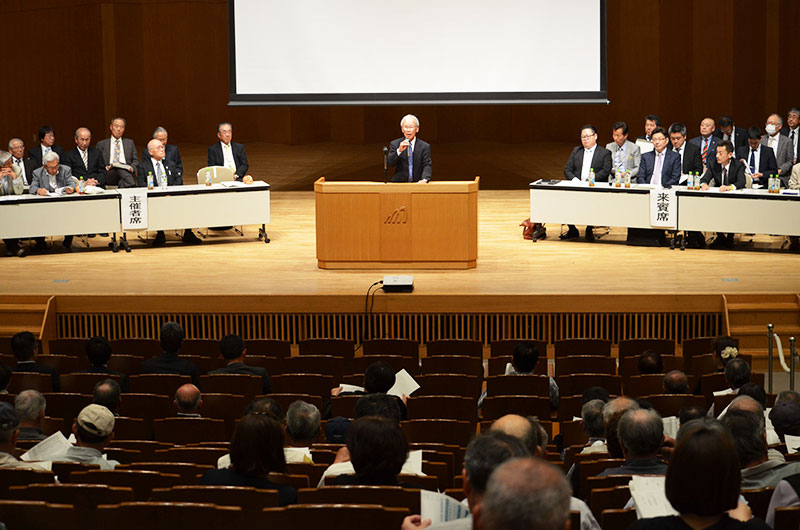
(404, 384)
(233, 184)
(792, 443)
(644, 145)
(650, 498)
(671, 426)
(440, 508)
(351, 388)
(54, 445)
(119, 165)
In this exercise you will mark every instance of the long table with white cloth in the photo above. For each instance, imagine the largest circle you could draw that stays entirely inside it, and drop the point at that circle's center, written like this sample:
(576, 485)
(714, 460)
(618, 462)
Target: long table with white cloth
(748, 211)
(191, 206)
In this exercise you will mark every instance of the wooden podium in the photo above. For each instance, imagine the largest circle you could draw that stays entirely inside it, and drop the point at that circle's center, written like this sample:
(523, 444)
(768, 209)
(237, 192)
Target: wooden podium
(372, 225)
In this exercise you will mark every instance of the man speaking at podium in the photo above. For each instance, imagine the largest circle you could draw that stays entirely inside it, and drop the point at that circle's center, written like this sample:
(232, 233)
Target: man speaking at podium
(410, 156)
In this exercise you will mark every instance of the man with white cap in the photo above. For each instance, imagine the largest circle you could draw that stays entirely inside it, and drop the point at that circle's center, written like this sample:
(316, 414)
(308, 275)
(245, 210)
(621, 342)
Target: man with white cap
(93, 429)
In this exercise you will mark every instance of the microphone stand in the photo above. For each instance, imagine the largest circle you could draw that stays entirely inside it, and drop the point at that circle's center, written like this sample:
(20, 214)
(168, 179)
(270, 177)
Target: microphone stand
(385, 164)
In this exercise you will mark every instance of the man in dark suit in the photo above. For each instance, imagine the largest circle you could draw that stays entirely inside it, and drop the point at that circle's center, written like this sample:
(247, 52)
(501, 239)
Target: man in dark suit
(410, 156)
(691, 162)
(227, 153)
(25, 163)
(661, 166)
(165, 174)
(759, 160)
(173, 154)
(25, 349)
(120, 151)
(727, 130)
(707, 142)
(584, 158)
(169, 362)
(728, 174)
(792, 130)
(98, 351)
(47, 143)
(651, 121)
(234, 352)
(85, 161)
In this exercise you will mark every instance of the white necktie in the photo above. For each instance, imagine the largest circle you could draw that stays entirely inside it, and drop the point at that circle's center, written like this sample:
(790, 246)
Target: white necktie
(231, 163)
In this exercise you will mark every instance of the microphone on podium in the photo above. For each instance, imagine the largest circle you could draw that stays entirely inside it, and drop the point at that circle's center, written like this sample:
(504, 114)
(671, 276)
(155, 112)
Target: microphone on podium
(385, 164)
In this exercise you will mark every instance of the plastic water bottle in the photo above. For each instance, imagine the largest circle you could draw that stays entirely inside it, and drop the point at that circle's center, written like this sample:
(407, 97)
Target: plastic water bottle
(627, 179)
(149, 180)
(591, 176)
(208, 177)
(81, 186)
(164, 182)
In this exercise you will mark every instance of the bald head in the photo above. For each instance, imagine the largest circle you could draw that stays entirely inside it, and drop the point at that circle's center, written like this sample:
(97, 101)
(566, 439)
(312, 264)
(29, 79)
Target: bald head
(747, 404)
(676, 382)
(525, 493)
(188, 399)
(615, 406)
(156, 149)
(529, 432)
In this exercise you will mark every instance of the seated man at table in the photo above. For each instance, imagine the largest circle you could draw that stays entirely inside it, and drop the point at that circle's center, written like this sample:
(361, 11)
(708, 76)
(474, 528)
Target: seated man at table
(728, 174)
(52, 177)
(626, 155)
(584, 158)
(410, 156)
(119, 155)
(229, 154)
(165, 174)
(758, 159)
(172, 153)
(11, 183)
(660, 167)
(85, 161)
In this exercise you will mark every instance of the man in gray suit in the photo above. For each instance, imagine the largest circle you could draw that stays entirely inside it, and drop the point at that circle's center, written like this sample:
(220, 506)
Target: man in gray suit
(119, 151)
(11, 184)
(625, 155)
(781, 146)
(46, 180)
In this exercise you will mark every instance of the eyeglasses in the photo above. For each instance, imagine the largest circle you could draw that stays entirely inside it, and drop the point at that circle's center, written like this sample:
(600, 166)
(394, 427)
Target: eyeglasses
(587, 136)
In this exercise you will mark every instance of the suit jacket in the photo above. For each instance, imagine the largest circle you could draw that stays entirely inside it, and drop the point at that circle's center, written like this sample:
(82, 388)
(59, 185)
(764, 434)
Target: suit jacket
(30, 166)
(216, 158)
(171, 153)
(36, 154)
(735, 175)
(241, 368)
(41, 179)
(783, 155)
(712, 148)
(423, 168)
(36, 368)
(174, 177)
(128, 147)
(670, 171)
(96, 169)
(767, 165)
(692, 162)
(739, 137)
(794, 181)
(633, 157)
(785, 132)
(12, 186)
(601, 163)
(169, 363)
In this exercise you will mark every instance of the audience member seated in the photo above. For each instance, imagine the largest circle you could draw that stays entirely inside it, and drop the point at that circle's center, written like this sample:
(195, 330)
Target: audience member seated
(303, 422)
(93, 430)
(266, 406)
(8, 437)
(169, 362)
(188, 401)
(256, 451)
(30, 406)
(737, 373)
(524, 359)
(108, 394)
(592, 415)
(761, 468)
(98, 351)
(650, 362)
(379, 378)
(788, 395)
(525, 493)
(233, 350)
(25, 349)
(785, 418)
(725, 349)
(687, 414)
(702, 483)
(675, 382)
(483, 455)
(641, 435)
(612, 412)
(533, 436)
(5, 377)
(755, 391)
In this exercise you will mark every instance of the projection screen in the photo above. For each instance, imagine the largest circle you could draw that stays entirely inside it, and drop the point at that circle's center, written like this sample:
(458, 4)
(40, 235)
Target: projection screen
(362, 52)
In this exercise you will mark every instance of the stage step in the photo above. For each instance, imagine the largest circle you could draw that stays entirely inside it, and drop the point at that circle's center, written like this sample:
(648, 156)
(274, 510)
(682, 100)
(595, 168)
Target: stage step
(28, 315)
(748, 316)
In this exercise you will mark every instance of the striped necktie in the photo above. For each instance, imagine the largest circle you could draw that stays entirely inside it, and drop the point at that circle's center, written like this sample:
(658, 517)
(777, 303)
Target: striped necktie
(706, 141)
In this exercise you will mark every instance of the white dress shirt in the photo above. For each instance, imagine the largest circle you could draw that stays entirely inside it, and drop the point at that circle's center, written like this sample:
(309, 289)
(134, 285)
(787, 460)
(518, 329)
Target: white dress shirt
(588, 154)
(227, 154)
(21, 165)
(773, 142)
(112, 146)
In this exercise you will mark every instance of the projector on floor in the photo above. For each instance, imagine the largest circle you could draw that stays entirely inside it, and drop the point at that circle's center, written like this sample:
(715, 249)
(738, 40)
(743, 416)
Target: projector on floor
(398, 284)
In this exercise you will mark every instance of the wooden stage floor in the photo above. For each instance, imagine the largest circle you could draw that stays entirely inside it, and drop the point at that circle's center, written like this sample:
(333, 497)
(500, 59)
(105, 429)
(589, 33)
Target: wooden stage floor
(512, 274)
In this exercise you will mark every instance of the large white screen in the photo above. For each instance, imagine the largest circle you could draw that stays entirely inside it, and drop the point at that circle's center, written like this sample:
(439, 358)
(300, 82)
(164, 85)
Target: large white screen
(369, 51)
